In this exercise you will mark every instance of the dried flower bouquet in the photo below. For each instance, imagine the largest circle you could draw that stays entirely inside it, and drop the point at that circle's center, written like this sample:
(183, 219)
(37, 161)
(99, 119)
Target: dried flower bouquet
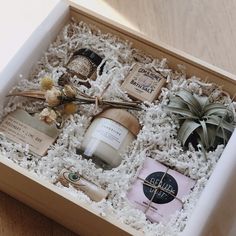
(64, 100)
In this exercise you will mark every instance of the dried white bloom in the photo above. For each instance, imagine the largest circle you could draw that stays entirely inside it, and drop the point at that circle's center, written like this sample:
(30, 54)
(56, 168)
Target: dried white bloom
(48, 115)
(53, 97)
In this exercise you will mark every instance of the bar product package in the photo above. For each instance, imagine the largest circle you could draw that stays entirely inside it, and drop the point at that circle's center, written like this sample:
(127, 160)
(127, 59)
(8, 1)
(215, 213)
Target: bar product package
(143, 84)
(21, 127)
(159, 191)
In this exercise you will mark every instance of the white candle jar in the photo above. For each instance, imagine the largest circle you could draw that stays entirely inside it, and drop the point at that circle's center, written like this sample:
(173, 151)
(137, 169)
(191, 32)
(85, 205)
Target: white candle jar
(109, 135)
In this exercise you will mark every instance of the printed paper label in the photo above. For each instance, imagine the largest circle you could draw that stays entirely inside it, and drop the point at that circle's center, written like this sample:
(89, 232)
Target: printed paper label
(143, 84)
(168, 187)
(20, 127)
(110, 132)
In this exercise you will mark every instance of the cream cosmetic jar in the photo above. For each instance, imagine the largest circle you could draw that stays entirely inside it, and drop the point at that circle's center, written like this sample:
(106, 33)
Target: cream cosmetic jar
(84, 63)
(109, 135)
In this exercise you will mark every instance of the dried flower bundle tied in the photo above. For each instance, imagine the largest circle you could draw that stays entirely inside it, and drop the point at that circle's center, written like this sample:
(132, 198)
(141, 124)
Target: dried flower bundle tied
(64, 100)
(202, 122)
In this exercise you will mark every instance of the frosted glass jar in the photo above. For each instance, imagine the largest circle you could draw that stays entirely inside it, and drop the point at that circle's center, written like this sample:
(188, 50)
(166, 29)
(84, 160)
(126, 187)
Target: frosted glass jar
(109, 135)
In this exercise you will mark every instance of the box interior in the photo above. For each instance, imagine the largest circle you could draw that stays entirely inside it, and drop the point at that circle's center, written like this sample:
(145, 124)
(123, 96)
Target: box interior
(46, 198)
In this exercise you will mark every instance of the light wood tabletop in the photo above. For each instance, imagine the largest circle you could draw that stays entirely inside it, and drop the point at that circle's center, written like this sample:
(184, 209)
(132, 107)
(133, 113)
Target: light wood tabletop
(202, 28)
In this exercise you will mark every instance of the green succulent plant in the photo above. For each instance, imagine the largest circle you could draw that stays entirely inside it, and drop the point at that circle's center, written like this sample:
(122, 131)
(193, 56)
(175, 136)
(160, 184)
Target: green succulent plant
(202, 122)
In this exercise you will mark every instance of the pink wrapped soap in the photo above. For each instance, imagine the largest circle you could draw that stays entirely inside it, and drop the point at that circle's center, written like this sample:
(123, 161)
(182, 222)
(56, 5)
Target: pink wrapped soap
(158, 191)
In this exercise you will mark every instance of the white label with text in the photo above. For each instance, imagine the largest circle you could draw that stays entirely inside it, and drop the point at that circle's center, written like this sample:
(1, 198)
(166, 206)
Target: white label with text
(16, 127)
(110, 132)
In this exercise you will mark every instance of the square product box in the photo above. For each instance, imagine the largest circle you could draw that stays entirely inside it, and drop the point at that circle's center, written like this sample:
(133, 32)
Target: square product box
(210, 215)
(143, 84)
(157, 204)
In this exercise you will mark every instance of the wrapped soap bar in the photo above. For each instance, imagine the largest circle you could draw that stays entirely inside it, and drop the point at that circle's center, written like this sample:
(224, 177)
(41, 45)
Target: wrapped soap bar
(93, 191)
(143, 84)
(158, 191)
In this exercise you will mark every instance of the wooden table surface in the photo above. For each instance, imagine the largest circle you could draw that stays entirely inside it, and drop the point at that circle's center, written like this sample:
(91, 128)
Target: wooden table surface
(203, 28)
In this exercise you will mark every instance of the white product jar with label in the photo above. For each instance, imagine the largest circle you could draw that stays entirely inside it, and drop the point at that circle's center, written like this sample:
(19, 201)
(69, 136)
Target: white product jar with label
(109, 135)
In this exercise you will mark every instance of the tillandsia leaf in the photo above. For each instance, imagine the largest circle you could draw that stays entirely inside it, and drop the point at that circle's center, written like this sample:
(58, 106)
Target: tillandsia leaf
(177, 102)
(203, 149)
(223, 129)
(181, 111)
(205, 134)
(214, 106)
(186, 129)
(217, 109)
(212, 133)
(223, 134)
(199, 131)
(192, 103)
(203, 100)
(220, 113)
(219, 122)
(201, 135)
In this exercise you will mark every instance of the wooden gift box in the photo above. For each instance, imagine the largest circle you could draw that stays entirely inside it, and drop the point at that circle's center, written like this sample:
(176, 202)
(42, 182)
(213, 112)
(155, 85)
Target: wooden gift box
(211, 214)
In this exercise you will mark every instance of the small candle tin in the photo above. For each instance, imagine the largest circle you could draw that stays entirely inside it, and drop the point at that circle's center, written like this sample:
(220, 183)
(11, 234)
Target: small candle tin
(143, 84)
(109, 135)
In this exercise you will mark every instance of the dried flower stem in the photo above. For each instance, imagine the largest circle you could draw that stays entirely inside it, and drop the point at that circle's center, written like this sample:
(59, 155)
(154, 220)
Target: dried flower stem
(82, 98)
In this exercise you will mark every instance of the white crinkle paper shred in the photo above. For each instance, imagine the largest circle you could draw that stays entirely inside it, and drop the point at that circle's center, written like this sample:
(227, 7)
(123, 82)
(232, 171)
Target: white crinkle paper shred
(157, 139)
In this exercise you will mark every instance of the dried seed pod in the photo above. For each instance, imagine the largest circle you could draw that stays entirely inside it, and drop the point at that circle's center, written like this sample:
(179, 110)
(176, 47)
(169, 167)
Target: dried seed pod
(46, 83)
(70, 108)
(69, 91)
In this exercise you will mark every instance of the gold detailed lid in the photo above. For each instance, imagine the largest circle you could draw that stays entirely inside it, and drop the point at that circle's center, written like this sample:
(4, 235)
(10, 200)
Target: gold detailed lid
(122, 117)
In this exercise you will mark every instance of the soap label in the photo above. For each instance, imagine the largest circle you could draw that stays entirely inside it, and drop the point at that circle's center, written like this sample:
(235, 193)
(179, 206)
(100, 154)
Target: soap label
(166, 182)
(20, 127)
(143, 84)
(110, 132)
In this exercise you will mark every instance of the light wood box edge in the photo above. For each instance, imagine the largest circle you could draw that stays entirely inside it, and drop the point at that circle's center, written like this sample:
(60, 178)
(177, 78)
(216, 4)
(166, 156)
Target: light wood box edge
(57, 204)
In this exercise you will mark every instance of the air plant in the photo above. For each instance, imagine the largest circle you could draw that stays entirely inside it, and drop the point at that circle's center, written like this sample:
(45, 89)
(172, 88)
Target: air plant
(64, 100)
(201, 122)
